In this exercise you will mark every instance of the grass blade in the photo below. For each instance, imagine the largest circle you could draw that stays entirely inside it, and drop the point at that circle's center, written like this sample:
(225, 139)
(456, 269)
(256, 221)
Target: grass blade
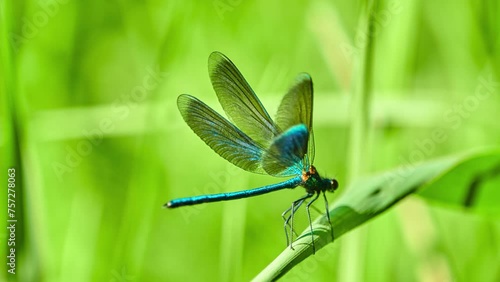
(368, 198)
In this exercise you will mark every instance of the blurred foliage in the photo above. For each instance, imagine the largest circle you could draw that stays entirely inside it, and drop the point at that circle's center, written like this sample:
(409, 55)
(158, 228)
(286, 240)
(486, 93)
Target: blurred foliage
(88, 117)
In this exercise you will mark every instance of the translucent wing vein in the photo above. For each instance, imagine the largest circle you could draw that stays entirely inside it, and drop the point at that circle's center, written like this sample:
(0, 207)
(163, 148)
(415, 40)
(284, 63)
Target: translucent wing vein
(297, 107)
(222, 136)
(239, 100)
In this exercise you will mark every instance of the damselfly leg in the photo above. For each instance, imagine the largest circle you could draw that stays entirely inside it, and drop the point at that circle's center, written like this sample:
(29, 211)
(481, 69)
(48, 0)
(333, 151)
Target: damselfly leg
(310, 221)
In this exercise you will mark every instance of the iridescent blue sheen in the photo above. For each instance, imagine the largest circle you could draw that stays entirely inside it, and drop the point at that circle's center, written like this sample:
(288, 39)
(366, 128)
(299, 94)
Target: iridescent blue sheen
(256, 143)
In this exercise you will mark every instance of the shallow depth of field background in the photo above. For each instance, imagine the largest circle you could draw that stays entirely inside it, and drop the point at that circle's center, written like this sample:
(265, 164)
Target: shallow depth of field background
(103, 146)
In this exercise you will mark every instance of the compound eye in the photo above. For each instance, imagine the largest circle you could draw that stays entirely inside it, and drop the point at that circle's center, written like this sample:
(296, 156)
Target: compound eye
(334, 185)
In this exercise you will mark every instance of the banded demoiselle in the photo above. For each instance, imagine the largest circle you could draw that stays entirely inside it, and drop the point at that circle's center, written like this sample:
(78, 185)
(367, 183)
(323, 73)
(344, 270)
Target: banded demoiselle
(256, 143)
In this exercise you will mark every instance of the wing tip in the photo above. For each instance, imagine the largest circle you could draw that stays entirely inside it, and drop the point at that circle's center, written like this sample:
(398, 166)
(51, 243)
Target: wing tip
(215, 58)
(303, 76)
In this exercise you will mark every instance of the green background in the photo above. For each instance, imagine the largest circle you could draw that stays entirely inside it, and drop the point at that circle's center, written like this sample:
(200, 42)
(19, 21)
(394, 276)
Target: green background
(89, 120)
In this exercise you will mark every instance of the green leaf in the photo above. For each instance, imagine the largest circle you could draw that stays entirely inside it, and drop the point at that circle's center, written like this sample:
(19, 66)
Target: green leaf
(473, 184)
(448, 180)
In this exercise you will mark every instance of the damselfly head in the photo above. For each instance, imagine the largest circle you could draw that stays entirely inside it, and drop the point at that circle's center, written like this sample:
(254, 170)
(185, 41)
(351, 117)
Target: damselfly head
(334, 184)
